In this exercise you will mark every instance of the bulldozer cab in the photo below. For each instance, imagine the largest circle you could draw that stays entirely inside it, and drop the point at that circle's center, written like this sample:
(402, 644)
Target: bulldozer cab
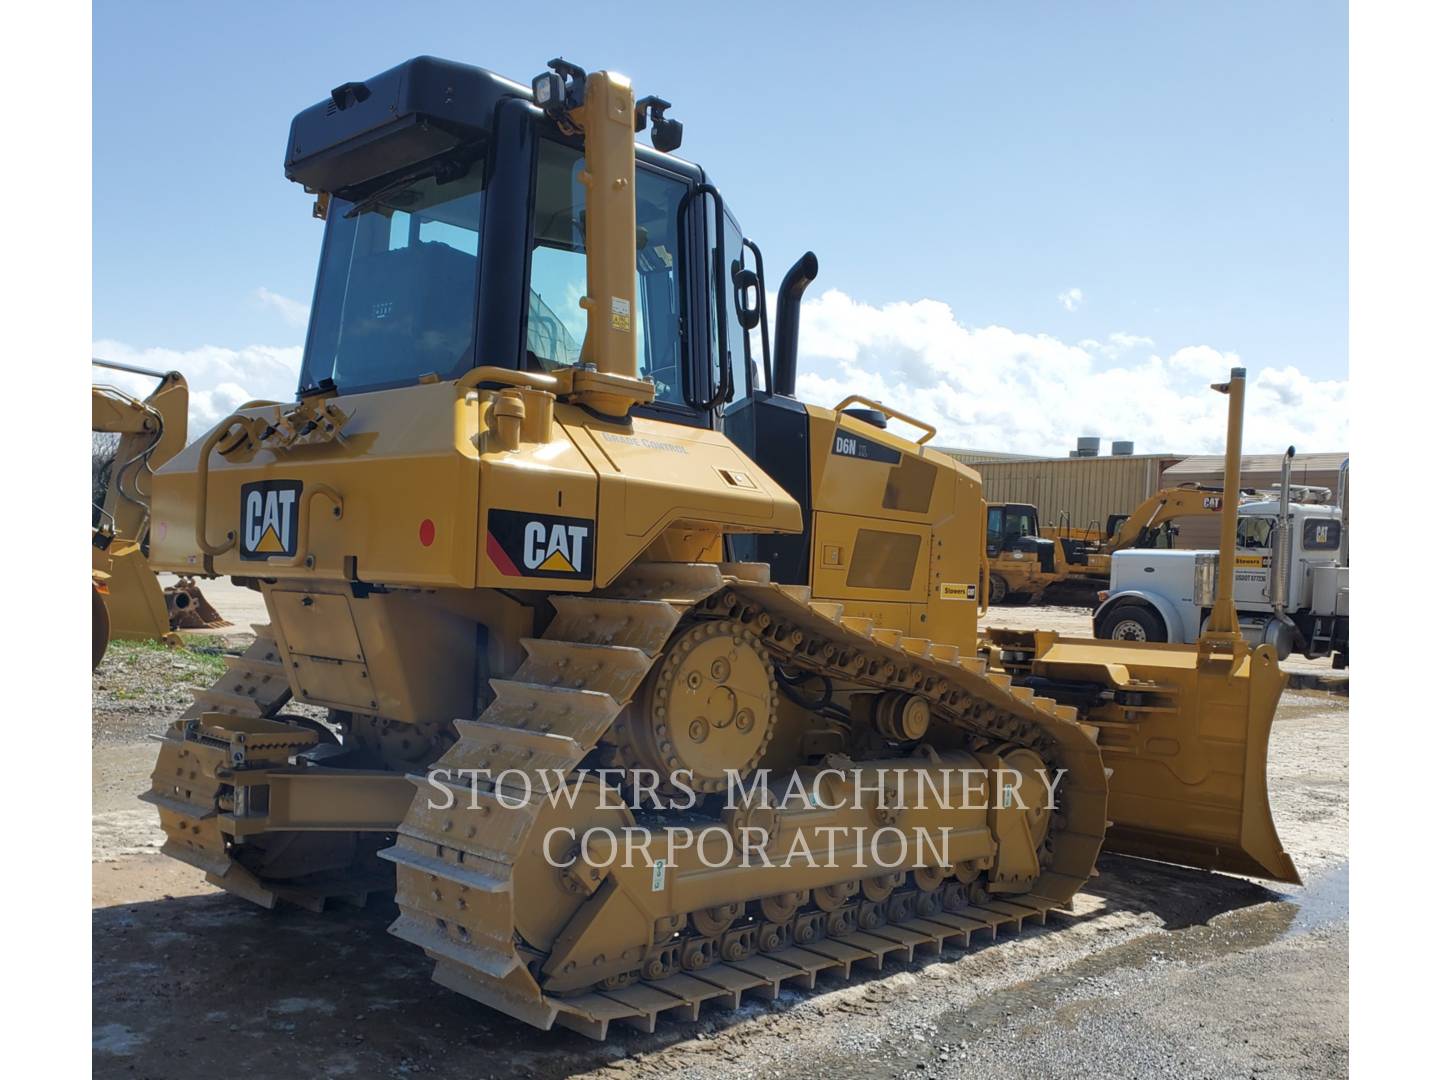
(1007, 524)
(1012, 531)
(455, 238)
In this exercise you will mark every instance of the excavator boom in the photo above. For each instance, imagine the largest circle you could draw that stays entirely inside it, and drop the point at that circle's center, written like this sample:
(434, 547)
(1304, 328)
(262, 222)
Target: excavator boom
(128, 600)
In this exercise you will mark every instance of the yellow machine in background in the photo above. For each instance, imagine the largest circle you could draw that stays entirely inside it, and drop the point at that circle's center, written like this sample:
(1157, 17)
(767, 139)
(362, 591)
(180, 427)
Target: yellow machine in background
(128, 602)
(1026, 558)
(502, 566)
(1149, 525)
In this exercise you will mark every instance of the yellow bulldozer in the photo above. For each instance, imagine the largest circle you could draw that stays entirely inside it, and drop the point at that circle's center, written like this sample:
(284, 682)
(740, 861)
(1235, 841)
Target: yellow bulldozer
(615, 638)
(127, 600)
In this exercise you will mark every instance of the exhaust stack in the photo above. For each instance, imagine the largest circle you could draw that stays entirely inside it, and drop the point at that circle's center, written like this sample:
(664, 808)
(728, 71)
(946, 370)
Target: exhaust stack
(787, 321)
(1280, 541)
(1342, 500)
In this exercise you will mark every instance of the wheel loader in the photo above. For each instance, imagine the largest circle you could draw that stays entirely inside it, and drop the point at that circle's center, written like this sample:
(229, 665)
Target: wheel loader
(608, 623)
(127, 600)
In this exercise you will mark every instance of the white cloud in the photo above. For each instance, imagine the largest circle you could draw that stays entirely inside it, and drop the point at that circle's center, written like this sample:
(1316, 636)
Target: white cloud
(219, 378)
(292, 311)
(1071, 299)
(995, 388)
(1115, 344)
(983, 387)
(1121, 340)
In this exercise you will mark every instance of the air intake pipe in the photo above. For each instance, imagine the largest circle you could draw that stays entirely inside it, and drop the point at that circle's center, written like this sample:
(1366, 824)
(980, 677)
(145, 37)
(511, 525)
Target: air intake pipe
(787, 321)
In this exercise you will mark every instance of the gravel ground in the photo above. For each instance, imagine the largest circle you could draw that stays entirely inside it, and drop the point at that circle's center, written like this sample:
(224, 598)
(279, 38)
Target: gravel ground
(1158, 970)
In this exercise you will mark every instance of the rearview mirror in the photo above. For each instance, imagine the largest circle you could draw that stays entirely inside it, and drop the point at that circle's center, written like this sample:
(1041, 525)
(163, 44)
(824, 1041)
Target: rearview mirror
(747, 297)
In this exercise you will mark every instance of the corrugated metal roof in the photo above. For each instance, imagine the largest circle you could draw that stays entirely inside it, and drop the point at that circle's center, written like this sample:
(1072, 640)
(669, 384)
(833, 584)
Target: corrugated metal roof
(1209, 464)
(971, 457)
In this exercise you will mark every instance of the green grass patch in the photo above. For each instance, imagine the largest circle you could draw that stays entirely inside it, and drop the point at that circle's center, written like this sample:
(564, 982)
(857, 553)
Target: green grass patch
(174, 664)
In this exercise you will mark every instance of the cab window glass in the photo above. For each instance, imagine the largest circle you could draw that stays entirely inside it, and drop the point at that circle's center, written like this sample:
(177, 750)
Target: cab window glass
(395, 298)
(1254, 532)
(556, 327)
(735, 333)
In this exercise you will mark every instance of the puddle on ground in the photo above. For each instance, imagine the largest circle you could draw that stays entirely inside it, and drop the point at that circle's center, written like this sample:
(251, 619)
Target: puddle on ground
(1324, 899)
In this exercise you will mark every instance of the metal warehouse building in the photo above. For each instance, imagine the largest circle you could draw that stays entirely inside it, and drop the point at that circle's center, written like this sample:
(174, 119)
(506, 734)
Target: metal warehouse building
(1088, 489)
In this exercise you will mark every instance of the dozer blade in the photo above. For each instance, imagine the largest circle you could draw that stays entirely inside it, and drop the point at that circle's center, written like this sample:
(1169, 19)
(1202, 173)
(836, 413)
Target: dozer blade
(1186, 739)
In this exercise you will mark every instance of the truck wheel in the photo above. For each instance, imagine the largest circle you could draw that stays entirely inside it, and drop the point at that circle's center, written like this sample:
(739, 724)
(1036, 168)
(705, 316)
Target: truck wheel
(998, 589)
(1132, 622)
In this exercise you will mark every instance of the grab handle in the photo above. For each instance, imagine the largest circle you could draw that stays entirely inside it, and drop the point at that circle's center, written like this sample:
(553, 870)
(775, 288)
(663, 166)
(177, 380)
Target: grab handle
(202, 483)
(896, 414)
(302, 556)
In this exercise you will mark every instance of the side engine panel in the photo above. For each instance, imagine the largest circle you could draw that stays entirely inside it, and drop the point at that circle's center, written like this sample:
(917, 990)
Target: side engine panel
(897, 529)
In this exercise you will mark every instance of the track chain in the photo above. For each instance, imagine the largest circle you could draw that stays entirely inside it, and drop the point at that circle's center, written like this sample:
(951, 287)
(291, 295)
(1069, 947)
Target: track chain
(454, 877)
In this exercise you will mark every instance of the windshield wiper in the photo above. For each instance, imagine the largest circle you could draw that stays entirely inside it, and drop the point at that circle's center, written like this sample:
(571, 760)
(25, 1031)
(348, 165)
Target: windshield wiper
(324, 386)
(370, 202)
(444, 171)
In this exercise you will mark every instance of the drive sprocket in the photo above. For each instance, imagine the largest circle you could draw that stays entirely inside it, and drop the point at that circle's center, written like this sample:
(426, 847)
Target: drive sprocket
(707, 709)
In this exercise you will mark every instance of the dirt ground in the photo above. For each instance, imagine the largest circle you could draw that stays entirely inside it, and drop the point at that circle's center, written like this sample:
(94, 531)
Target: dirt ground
(1158, 970)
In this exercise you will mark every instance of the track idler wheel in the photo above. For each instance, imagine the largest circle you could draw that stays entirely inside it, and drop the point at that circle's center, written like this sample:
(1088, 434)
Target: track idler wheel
(878, 889)
(781, 907)
(834, 897)
(714, 921)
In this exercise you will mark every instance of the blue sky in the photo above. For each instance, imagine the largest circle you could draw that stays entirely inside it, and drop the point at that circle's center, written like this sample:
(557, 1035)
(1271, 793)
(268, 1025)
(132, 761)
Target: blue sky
(1174, 174)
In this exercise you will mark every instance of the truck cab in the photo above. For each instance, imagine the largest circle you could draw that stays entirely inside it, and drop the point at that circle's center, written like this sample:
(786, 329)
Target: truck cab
(1291, 584)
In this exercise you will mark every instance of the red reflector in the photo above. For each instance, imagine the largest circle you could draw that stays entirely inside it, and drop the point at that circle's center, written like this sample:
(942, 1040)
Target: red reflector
(427, 532)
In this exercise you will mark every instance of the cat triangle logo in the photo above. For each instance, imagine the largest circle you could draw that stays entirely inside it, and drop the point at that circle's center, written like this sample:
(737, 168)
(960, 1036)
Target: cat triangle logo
(270, 543)
(269, 518)
(557, 562)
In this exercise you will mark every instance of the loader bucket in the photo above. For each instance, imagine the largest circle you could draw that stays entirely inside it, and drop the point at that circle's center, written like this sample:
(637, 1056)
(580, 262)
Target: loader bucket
(1186, 739)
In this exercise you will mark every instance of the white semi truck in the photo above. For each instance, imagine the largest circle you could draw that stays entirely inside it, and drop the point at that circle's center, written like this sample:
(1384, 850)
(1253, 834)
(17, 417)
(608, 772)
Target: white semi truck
(1292, 579)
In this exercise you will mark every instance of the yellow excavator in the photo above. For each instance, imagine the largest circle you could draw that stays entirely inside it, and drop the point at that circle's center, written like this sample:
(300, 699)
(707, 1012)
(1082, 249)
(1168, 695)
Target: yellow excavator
(127, 600)
(608, 634)
(1149, 525)
(1026, 558)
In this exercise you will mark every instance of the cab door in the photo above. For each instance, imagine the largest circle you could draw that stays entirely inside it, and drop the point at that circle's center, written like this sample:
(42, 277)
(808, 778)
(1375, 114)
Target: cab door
(1254, 550)
(668, 231)
(771, 429)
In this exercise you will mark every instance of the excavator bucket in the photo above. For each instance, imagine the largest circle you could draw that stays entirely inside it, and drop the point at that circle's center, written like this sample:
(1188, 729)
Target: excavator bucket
(1185, 733)
(188, 608)
(136, 602)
